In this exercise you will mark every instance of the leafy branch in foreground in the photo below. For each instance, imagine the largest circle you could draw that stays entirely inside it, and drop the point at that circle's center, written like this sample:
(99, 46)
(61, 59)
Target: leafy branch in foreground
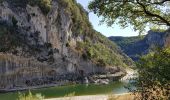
(153, 82)
(138, 13)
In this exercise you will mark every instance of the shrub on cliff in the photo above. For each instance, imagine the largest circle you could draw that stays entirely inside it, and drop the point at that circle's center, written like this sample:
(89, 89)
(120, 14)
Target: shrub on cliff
(100, 54)
(44, 5)
(94, 46)
(79, 17)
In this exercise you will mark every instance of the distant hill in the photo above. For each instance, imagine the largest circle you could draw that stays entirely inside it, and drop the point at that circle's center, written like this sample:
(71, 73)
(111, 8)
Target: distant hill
(136, 46)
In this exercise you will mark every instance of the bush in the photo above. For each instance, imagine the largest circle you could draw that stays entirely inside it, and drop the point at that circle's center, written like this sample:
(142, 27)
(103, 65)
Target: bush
(99, 54)
(154, 77)
(44, 5)
(30, 96)
(79, 17)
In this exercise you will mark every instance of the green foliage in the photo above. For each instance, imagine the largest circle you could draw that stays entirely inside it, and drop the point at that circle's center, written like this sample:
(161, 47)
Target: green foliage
(156, 28)
(138, 13)
(30, 96)
(100, 54)
(125, 41)
(69, 96)
(154, 77)
(94, 47)
(79, 17)
(44, 5)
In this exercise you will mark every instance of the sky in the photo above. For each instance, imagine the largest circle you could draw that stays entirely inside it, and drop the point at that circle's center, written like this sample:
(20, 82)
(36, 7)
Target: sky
(104, 29)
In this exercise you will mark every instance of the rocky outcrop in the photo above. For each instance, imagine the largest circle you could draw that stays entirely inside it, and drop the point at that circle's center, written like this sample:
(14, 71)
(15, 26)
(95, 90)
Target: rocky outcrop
(137, 46)
(19, 71)
(38, 49)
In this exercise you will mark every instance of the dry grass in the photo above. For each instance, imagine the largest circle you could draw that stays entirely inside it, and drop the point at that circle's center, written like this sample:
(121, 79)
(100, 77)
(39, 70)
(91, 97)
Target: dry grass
(125, 97)
(121, 97)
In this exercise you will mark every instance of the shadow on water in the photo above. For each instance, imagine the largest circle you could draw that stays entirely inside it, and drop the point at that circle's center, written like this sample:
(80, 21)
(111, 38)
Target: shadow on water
(78, 89)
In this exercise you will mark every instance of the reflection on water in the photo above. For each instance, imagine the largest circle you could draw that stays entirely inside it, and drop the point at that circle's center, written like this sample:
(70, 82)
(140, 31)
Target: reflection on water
(78, 89)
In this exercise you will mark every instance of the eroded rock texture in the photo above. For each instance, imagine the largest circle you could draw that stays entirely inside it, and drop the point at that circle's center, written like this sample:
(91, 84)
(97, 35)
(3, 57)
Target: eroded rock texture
(39, 49)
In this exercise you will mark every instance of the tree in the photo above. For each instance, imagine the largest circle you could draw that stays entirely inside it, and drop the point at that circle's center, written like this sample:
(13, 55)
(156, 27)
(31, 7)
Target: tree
(138, 13)
(153, 81)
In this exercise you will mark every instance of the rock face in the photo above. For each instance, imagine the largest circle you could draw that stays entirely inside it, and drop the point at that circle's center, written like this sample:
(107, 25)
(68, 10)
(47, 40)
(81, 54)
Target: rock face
(138, 46)
(38, 49)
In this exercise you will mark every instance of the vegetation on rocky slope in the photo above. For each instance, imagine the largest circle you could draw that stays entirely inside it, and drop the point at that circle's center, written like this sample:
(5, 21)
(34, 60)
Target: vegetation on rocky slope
(44, 5)
(125, 41)
(153, 78)
(134, 47)
(137, 46)
(94, 46)
(79, 17)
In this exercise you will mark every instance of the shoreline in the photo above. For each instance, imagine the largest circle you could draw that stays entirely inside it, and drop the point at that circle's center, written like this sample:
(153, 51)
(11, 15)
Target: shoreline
(28, 88)
(122, 96)
(62, 83)
(88, 96)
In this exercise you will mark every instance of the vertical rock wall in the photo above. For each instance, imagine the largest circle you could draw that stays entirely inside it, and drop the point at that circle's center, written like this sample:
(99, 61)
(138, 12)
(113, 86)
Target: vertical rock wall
(16, 71)
(44, 55)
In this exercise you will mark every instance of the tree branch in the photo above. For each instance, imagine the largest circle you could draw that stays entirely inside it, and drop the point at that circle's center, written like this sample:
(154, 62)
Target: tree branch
(161, 2)
(153, 15)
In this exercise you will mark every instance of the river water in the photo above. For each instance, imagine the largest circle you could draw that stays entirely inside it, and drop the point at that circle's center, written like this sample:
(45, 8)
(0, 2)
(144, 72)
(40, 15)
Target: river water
(117, 87)
(78, 89)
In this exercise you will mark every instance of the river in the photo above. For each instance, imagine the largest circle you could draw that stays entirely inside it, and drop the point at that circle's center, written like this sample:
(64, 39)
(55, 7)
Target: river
(78, 89)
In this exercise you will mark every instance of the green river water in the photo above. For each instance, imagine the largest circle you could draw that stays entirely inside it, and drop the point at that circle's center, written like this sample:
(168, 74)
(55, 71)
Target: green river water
(78, 89)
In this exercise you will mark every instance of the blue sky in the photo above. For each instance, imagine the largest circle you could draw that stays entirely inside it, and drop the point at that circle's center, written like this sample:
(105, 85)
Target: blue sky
(107, 31)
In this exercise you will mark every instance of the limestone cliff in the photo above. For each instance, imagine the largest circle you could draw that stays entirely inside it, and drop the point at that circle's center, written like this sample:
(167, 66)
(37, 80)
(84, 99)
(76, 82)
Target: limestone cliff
(49, 42)
(137, 46)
